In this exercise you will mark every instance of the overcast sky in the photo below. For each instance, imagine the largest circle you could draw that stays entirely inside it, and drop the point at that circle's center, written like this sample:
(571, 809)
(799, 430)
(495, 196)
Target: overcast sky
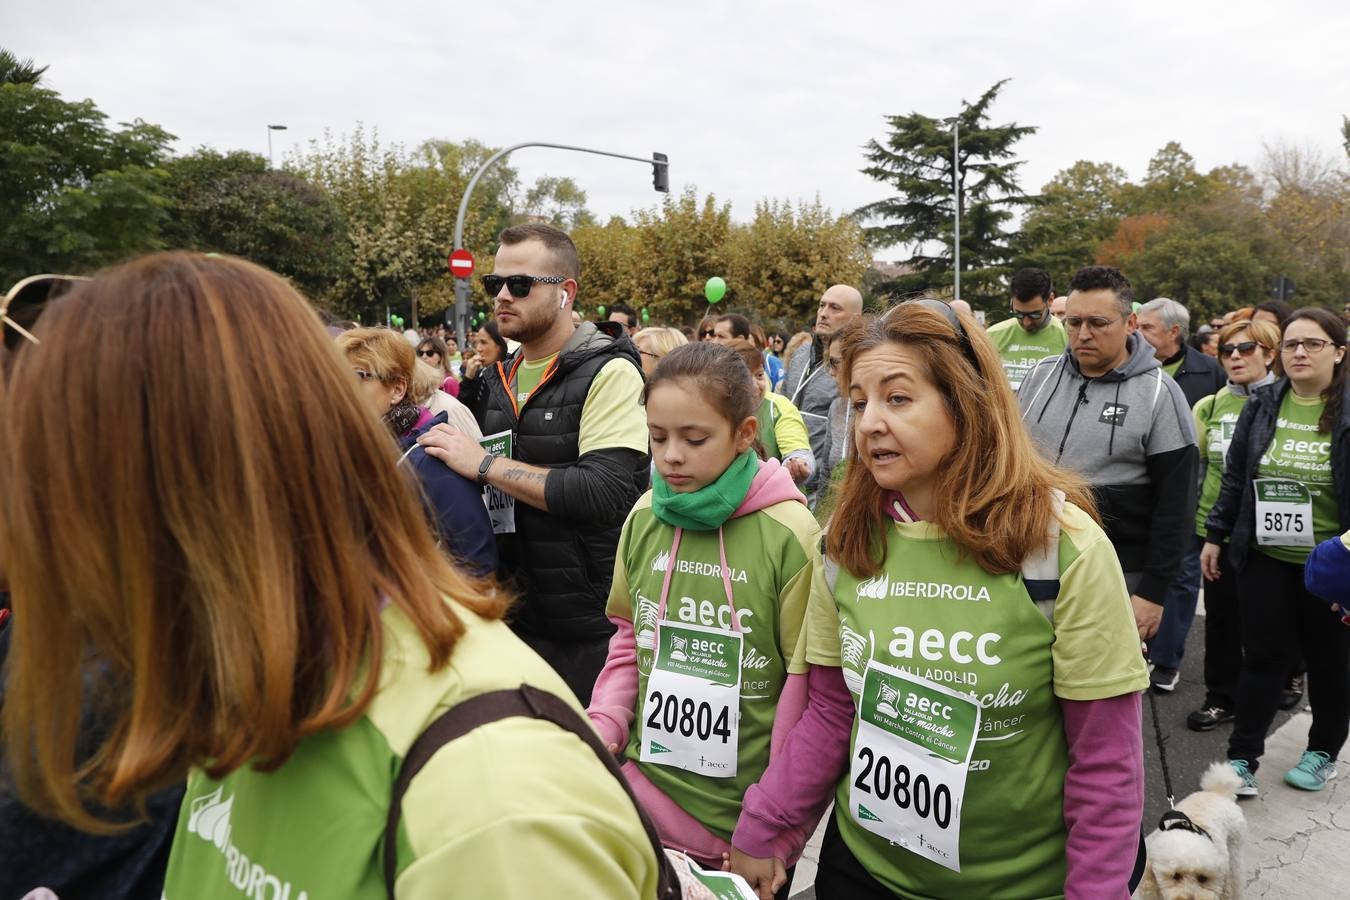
(750, 99)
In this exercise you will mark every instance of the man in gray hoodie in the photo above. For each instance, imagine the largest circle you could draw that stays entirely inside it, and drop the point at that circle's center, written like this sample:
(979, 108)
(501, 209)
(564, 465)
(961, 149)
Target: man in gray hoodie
(1106, 409)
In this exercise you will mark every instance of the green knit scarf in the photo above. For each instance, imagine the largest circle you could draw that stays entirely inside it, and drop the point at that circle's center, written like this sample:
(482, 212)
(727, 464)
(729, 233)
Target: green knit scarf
(709, 506)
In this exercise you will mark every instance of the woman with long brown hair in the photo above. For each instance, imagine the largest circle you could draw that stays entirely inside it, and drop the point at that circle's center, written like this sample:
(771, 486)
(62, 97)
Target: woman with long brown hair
(975, 670)
(275, 627)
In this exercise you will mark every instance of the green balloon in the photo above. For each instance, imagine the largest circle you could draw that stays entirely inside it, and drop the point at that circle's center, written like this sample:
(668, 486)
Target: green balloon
(645, 317)
(715, 289)
(600, 309)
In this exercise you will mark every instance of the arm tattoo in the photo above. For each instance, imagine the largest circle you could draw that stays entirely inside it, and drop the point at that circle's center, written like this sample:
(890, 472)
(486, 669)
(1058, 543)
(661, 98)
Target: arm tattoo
(523, 474)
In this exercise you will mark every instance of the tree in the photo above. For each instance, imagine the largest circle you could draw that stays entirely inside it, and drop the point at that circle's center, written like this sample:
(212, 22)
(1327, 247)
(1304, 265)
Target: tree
(233, 203)
(680, 245)
(1209, 273)
(558, 201)
(18, 71)
(609, 263)
(75, 195)
(1077, 209)
(916, 160)
(784, 259)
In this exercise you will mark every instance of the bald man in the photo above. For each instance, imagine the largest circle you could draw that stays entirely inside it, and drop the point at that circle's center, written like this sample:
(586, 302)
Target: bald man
(811, 386)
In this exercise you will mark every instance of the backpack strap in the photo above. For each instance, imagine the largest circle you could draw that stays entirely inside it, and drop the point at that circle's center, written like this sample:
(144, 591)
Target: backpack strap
(530, 703)
(1040, 569)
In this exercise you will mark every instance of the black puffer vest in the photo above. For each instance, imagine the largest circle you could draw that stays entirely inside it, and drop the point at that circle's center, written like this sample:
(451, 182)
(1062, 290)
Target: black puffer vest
(560, 567)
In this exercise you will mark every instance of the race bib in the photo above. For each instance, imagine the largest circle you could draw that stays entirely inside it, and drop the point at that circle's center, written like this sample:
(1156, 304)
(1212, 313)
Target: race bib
(1283, 514)
(907, 776)
(691, 715)
(501, 506)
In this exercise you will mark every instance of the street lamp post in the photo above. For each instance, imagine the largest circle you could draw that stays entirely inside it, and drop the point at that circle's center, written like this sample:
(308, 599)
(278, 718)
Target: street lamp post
(660, 181)
(955, 122)
(270, 129)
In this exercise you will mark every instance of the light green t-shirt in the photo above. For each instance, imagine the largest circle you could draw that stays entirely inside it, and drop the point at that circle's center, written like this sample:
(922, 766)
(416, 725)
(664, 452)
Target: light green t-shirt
(782, 430)
(1215, 419)
(1171, 368)
(516, 808)
(773, 556)
(1021, 350)
(1299, 452)
(941, 617)
(612, 416)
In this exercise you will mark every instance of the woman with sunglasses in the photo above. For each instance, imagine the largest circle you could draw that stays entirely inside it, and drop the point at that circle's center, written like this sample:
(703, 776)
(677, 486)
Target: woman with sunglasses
(987, 742)
(1286, 488)
(433, 352)
(385, 372)
(1247, 351)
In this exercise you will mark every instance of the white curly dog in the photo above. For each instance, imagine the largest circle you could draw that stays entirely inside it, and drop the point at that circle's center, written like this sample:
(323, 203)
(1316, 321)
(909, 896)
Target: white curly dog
(1198, 856)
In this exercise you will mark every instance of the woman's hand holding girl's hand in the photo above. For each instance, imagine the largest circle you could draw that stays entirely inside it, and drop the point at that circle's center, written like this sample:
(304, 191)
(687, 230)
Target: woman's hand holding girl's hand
(766, 876)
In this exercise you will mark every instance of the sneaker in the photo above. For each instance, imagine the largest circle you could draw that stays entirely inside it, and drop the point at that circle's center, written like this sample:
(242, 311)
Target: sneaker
(1313, 771)
(1293, 693)
(1248, 777)
(1208, 718)
(1164, 679)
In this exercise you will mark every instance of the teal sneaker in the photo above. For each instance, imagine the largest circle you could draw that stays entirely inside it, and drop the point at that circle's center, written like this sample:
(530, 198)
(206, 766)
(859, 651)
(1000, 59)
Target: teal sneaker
(1313, 771)
(1248, 788)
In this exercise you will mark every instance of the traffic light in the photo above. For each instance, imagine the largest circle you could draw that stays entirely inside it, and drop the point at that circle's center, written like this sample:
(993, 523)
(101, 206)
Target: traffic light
(1281, 288)
(660, 173)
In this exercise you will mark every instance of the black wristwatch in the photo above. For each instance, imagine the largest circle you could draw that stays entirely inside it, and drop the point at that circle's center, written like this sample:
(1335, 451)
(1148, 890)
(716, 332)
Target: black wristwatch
(483, 468)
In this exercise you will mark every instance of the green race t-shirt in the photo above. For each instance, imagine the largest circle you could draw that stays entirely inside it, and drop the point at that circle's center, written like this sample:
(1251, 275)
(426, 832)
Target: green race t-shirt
(773, 557)
(518, 789)
(945, 619)
(1299, 452)
(1215, 419)
(528, 376)
(1020, 350)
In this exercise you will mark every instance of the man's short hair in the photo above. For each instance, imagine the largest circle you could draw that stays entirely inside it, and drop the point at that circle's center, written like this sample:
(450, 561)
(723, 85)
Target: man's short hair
(1097, 278)
(627, 310)
(559, 245)
(740, 325)
(1171, 313)
(1028, 284)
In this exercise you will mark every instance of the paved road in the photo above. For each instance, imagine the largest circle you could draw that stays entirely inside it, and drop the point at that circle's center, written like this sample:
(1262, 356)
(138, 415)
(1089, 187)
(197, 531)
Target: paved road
(1188, 752)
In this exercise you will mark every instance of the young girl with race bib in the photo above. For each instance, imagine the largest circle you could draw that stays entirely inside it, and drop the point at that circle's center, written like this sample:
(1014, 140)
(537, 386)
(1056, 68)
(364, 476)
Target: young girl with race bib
(974, 665)
(714, 569)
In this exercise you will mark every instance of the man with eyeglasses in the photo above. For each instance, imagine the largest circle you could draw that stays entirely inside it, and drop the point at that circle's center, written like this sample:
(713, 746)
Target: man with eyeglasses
(1106, 409)
(812, 388)
(1032, 334)
(564, 453)
(1165, 324)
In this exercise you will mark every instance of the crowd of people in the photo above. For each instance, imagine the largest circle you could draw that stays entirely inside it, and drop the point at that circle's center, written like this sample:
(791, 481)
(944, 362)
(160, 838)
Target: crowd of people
(611, 609)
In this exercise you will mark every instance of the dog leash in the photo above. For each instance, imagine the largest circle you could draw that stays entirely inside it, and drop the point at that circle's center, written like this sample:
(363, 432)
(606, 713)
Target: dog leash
(1173, 818)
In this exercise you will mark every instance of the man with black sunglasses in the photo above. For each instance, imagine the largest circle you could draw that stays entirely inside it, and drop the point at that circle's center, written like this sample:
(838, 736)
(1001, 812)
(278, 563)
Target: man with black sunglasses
(564, 453)
(1033, 333)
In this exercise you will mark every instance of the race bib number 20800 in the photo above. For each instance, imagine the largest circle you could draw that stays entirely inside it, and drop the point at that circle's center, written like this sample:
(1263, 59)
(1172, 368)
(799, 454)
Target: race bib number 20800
(907, 776)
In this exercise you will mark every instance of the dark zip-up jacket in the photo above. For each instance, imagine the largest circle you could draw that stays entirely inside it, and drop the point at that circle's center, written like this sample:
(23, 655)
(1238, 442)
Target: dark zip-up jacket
(453, 503)
(561, 562)
(1234, 514)
(1199, 376)
(1130, 433)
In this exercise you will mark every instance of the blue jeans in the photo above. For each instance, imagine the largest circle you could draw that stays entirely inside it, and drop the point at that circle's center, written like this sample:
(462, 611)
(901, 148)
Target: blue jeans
(1169, 644)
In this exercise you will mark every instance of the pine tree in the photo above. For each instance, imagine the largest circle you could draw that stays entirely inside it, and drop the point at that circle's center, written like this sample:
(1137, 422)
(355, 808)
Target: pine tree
(915, 159)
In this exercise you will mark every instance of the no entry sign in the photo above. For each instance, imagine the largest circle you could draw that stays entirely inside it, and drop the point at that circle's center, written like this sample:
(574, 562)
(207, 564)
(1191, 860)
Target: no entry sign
(461, 263)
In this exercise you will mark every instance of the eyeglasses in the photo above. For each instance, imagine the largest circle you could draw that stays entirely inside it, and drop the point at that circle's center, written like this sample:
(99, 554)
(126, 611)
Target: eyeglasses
(427, 353)
(1246, 348)
(1094, 323)
(363, 375)
(1036, 316)
(650, 353)
(519, 285)
(706, 334)
(1312, 345)
(21, 307)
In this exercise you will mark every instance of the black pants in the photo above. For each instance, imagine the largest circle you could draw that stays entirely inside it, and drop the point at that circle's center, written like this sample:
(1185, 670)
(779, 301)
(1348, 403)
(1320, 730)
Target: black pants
(1223, 637)
(578, 662)
(841, 876)
(1280, 619)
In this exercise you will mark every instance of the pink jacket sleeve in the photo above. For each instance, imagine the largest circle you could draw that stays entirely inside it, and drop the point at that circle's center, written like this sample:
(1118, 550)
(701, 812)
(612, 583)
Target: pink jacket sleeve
(779, 813)
(1103, 795)
(614, 698)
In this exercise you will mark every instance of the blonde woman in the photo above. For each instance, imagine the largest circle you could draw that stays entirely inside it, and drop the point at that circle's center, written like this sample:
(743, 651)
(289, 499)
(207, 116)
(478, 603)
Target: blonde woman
(654, 343)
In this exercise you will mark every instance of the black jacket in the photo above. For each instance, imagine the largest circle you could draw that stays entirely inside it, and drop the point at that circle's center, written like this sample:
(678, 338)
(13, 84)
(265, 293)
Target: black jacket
(561, 562)
(1199, 376)
(1233, 516)
(454, 505)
